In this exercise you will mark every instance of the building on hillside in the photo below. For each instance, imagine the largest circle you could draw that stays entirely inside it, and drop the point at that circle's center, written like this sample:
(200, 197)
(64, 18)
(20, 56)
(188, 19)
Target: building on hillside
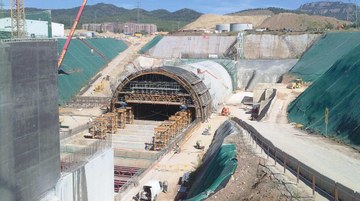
(92, 27)
(126, 28)
(131, 28)
(36, 28)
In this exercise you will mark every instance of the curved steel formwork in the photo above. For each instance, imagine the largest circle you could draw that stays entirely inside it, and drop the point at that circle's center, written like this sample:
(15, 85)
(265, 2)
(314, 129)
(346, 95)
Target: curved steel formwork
(194, 86)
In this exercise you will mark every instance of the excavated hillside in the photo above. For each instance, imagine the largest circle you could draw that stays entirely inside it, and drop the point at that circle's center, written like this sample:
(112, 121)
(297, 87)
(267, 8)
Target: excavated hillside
(292, 21)
(209, 21)
(301, 22)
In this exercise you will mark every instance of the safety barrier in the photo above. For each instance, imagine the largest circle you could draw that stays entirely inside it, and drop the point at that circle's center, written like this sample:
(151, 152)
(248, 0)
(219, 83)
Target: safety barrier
(74, 131)
(325, 186)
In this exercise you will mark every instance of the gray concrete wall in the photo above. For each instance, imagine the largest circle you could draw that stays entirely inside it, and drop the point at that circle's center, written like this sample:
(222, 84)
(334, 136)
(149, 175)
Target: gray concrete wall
(92, 182)
(252, 72)
(29, 119)
(272, 46)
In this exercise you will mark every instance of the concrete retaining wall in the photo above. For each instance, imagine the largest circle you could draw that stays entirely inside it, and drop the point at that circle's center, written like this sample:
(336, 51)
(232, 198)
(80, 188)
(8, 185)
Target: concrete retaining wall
(92, 182)
(271, 46)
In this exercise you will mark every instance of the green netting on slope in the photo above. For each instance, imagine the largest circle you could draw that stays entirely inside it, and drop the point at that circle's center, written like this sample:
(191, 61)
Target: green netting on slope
(150, 44)
(228, 64)
(218, 173)
(338, 90)
(83, 64)
(324, 53)
(110, 48)
(5, 35)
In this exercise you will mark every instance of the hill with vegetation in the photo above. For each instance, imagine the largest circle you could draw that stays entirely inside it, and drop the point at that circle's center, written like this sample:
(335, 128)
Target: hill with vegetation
(100, 13)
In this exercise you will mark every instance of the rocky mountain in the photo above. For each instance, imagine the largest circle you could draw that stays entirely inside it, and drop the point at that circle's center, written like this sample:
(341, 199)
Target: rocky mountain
(339, 10)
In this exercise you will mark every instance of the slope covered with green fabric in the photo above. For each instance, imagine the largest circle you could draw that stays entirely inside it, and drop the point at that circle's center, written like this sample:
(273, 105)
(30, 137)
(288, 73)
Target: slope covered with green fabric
(219, 163)
(338, 89)
(82, 63)
(324, 53)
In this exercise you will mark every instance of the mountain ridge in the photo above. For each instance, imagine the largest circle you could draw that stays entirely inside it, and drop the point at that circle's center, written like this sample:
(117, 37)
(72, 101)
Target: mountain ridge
(102, 12)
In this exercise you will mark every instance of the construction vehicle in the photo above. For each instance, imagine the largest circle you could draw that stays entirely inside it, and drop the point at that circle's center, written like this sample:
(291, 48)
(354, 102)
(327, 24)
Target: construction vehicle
(295, 84)
(139, 35)
(151, 190)
(225, 111)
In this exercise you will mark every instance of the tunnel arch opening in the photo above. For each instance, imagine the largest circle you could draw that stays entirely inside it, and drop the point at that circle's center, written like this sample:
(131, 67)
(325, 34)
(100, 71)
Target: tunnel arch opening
(158, 93)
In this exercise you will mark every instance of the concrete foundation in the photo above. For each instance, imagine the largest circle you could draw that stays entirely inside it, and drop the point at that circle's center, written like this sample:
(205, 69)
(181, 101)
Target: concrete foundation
(29, 119)
(134, 136)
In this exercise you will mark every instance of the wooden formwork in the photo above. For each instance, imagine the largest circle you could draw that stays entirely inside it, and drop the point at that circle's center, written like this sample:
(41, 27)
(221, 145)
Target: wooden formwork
(177, 119)
(121, 117)
(170, 128)
(161, 137)
(111, 122)
(129, 115)
(98, 129)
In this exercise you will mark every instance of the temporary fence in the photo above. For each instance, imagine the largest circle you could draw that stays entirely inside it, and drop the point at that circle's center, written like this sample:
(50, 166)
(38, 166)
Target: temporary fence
(325, 186)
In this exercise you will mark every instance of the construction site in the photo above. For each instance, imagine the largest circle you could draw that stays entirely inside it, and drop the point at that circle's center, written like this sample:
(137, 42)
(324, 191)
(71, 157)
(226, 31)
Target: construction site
(212, 116)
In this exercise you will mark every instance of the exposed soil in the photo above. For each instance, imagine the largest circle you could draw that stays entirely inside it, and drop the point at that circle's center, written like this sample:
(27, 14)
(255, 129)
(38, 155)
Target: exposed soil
(289, 21)
(250, 181)
(209, 21)
(301, 22)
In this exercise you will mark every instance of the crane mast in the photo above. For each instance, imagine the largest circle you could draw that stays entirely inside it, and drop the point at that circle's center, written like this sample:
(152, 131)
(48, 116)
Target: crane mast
(17, 14)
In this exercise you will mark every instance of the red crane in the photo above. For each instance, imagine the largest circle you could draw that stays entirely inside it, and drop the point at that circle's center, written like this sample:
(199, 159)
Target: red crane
(77, 19)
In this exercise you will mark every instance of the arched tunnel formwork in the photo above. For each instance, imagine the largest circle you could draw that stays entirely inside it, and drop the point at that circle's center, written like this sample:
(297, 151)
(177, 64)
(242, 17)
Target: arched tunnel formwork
(169, 87)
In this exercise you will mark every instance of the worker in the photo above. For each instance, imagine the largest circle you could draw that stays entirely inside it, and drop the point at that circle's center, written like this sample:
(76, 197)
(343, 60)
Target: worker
(209, 127)
(177, 148)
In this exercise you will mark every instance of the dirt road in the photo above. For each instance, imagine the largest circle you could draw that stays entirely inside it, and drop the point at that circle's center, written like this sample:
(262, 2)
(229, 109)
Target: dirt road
(117, 65)
(337, 161)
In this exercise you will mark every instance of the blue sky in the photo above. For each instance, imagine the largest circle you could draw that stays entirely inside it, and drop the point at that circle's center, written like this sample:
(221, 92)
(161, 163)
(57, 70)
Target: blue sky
(204, 6)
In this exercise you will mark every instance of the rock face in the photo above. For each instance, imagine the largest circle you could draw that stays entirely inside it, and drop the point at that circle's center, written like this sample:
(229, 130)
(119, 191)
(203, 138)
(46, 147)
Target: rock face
(272, 46)
(339, 10)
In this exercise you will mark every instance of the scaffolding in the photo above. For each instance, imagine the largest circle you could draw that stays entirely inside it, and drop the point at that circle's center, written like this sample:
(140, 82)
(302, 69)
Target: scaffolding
(152, 92)
(121, 117)
(109, 123)
(129, 115)
(150, 87)
(169, 129)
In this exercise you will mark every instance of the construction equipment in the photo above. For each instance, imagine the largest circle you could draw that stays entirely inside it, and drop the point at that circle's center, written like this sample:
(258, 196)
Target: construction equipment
(295, 84)
(67, 43)
(225, 111)
(199, 145)
(151, 190)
